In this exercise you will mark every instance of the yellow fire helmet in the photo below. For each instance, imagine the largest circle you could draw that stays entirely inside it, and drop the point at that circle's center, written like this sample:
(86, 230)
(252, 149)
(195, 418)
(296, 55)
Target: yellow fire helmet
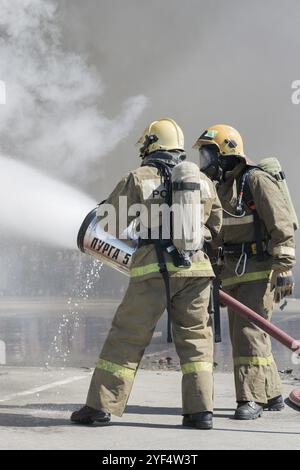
(226, 138)
(164, 134)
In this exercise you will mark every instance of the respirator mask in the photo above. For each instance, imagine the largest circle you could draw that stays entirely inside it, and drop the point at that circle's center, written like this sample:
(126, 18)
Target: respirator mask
(209, 161)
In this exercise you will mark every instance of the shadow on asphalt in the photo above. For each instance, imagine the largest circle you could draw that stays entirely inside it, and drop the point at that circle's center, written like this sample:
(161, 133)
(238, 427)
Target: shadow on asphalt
(165, 426)
(45, 406)
(289, 403)
(130, 409)
(152, 410)
(28, 421)
(162, 411)
(156, 410)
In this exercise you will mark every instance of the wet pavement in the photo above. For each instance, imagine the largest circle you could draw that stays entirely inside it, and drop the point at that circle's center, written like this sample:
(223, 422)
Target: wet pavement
(36, 403)
(70, 332)
(48, 348)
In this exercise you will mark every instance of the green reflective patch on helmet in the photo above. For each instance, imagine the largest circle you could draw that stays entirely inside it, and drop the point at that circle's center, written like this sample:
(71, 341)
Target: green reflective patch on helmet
(211, 134)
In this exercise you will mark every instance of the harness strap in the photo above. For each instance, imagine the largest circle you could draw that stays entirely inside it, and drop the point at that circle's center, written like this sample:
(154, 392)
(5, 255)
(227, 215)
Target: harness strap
(165, 274)
(248, 198)
(235, 250)
(258, 236)
(185, 186)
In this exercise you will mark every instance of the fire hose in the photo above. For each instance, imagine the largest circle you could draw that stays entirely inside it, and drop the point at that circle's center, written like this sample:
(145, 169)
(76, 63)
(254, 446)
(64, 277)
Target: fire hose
(118, 253)
(265, 325)
(269, 328)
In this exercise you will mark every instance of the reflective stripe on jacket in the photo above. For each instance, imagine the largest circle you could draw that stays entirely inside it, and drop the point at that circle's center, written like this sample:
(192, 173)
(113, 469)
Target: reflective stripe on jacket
(144, 186)
(276, 227)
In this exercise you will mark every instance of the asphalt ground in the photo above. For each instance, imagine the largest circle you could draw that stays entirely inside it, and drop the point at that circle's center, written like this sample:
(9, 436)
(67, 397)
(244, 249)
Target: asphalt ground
(36, 403)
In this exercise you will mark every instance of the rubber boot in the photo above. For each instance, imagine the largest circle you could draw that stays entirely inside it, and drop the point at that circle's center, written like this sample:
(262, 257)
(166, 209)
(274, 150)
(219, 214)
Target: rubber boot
(203, 420)
(275, 404)
(248, 410)
(88, 415)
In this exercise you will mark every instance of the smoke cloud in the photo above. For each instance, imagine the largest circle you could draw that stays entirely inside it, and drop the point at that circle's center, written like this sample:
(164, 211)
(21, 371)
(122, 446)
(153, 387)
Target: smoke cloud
(53, 116)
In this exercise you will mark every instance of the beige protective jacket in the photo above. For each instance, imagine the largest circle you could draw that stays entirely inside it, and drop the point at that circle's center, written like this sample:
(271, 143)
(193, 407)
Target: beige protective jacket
(276, 226)
(144, 186)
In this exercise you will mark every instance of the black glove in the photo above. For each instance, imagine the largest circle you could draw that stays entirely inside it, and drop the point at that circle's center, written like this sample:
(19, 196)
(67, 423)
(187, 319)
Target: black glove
(283, 284)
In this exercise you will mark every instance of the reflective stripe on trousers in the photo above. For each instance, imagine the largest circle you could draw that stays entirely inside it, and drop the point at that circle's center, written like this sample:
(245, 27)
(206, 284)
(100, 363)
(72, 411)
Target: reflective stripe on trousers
(253, 361)
(116, 369)
(122, 371)
(154, 268)
(248, 277)
(192, 367)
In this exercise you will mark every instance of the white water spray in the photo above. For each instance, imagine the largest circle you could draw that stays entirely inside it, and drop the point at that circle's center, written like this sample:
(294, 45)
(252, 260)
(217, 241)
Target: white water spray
(37, 207)
(63, 342)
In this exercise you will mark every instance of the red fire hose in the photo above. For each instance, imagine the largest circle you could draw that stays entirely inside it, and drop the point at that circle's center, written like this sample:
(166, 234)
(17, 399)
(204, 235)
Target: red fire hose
(295, 397)
(265, 325)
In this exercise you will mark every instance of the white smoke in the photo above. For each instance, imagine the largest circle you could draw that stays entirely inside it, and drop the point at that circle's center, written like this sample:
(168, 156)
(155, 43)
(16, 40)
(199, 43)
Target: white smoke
(37, 207)
(52, 116)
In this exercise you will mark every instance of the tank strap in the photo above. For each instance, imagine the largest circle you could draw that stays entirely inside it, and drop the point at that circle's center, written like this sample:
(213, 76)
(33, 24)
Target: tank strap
(186, 186)
(165, 274)
(160, 247)
(258, 236)
(250, 203)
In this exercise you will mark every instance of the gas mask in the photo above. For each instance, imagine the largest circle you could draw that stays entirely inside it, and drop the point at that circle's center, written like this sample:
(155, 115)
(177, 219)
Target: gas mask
(228, 162)
(215, 165)
(209, 161)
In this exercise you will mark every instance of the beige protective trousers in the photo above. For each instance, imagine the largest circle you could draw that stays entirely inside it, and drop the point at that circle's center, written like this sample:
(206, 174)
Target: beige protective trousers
(131, 332)
(255, 371)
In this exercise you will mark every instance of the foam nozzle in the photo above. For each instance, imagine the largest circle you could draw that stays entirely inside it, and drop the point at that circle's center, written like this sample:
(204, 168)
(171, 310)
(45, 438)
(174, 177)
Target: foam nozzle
(83, 229)
(108, 249)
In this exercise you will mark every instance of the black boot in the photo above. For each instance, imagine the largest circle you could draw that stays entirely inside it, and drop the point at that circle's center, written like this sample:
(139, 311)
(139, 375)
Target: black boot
(202, 420)
(88, 415)
(247, 410)
(275, 404)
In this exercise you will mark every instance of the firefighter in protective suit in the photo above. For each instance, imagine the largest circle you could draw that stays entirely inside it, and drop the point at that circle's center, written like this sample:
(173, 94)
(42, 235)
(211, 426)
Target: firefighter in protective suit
(258, 244)
(145, 300)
